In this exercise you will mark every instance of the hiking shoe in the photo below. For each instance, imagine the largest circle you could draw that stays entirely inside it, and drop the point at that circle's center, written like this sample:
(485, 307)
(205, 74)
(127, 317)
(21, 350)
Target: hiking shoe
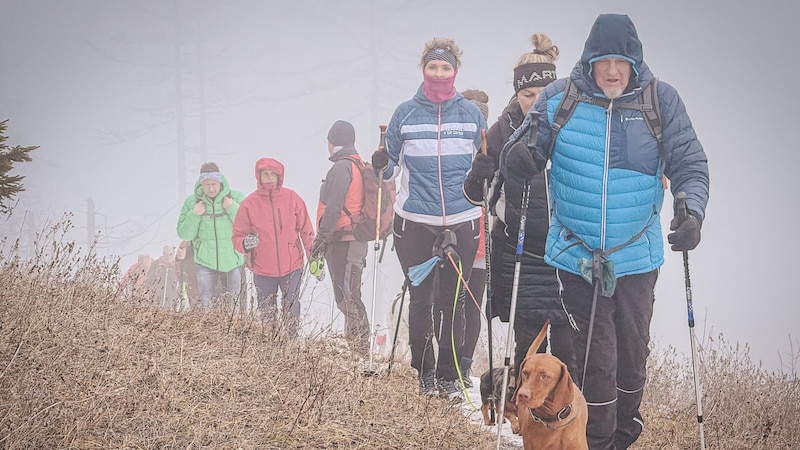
(451, 391)
(427, 384)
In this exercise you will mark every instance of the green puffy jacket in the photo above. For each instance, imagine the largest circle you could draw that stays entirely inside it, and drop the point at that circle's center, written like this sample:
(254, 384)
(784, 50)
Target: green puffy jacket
(211, 233)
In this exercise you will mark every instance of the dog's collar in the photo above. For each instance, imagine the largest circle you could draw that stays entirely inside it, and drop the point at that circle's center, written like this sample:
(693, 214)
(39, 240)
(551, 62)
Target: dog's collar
(547, 421)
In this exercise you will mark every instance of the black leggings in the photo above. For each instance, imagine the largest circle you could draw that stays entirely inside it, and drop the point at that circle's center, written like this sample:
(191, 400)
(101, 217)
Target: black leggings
(472, 312)
(433, 301)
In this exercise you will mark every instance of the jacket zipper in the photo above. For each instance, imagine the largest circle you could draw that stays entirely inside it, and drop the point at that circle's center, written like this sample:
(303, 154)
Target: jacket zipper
(216, 238)
(439, 164)
(275, 230)
(604, 199)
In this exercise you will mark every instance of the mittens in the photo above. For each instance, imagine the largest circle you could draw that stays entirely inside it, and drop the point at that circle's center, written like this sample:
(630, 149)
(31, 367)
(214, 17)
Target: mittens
(250, 242)
(317, 268)
(516, 162)
(380, 159)
(483, 167)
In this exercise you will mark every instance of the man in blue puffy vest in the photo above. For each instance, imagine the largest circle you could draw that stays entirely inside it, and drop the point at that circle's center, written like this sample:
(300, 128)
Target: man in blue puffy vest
(606, 192)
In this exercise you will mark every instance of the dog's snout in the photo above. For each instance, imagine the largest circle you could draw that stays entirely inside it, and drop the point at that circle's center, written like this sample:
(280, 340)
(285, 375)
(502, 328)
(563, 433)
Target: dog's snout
(523, 395)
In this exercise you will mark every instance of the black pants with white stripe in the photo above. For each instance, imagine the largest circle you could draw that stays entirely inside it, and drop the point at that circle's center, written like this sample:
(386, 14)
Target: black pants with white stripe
(616, 373)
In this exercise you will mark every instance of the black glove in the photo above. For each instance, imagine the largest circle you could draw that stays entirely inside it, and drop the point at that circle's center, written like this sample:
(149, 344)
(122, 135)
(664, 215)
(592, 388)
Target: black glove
(250, 242)
(517, 162)
(483, 167)
(318, 247)
(686, 234)
(473, 189)
(380, 159)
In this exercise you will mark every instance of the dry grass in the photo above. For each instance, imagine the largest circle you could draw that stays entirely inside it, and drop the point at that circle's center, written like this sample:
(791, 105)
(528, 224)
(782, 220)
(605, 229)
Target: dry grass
(744, 406)
(81, 369)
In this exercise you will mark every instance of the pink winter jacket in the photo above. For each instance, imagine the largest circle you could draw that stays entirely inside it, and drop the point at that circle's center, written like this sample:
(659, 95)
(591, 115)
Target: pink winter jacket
(280, 219)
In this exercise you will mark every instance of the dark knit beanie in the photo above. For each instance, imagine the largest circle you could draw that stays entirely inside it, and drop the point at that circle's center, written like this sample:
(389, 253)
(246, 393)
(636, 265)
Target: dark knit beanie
(534, 75)
(342, 134)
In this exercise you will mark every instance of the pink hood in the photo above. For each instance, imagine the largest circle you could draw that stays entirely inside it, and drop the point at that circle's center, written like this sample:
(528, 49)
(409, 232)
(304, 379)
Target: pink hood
(268, 164)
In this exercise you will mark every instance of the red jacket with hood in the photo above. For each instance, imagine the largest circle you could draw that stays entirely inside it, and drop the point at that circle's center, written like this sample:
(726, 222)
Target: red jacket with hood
(280, 219)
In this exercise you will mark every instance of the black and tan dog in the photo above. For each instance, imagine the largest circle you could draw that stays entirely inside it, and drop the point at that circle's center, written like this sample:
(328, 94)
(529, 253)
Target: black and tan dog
(492, 386)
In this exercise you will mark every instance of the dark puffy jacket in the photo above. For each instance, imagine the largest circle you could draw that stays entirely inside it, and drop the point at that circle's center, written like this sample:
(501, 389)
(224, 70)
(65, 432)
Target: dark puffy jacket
(342, 189)
(538, 296)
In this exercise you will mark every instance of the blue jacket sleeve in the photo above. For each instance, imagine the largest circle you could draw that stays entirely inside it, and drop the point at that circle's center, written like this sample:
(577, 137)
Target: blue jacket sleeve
(685, 161)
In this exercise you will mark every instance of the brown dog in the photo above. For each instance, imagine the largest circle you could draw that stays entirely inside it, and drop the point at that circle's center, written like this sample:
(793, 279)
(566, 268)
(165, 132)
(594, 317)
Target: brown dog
(492, 386)
(552, 410)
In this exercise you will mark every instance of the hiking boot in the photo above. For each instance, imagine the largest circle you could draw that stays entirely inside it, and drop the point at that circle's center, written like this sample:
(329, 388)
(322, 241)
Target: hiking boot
(464, 365)
(451, 391)
(427, 383)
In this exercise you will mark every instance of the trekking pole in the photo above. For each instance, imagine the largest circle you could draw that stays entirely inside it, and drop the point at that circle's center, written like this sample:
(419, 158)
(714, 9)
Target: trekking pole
(597, 273)
(488, 246)
(682, 213)
(377, 248)
(397, 325)
(526, 191)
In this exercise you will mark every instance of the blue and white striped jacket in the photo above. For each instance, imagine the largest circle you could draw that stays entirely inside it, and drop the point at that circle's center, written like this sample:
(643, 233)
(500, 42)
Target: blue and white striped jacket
(434, 145)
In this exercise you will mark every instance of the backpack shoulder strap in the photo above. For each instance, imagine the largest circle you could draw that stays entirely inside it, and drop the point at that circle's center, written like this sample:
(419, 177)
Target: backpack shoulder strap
(651, 112)
(566, 107)
(569, 101)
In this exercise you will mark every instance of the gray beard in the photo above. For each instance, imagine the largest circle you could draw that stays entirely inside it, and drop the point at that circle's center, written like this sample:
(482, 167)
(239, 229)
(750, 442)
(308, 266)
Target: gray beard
(612, 93)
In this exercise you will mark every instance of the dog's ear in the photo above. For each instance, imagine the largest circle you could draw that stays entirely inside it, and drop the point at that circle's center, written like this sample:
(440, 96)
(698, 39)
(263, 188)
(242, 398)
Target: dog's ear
(563, 392)
(534, 348)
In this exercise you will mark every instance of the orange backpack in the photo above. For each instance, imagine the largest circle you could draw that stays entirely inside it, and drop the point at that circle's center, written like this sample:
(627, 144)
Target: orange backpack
(364, 224)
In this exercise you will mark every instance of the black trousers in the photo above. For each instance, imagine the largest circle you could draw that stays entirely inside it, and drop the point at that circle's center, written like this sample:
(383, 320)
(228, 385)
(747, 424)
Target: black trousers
(472, 311)
(615, 373)
(435, 300)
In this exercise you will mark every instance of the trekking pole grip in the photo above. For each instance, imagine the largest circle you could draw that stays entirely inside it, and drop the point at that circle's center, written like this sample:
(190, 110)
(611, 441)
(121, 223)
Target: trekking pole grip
(680, 206)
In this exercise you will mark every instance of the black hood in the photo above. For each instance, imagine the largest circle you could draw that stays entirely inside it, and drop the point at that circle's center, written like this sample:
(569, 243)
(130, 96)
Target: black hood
(613, 35)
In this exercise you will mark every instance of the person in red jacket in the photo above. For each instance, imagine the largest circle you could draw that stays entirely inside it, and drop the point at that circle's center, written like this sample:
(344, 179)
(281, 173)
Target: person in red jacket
(273, 230)
(134, 282)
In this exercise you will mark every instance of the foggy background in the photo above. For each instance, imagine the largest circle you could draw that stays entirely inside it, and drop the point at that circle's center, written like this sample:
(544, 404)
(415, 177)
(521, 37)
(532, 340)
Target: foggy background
(127, 98)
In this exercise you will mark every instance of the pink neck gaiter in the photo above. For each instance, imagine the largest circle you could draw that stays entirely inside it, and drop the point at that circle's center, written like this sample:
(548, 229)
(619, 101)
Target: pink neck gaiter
(438, 90)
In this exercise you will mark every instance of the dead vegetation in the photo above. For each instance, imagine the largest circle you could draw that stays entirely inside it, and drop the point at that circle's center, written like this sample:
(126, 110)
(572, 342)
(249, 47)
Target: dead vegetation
(82, 369)
(744, 406)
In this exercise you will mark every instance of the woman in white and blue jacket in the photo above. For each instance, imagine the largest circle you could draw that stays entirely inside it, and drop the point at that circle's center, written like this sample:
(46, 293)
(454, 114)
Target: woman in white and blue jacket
(430, 142)
(606, 192)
